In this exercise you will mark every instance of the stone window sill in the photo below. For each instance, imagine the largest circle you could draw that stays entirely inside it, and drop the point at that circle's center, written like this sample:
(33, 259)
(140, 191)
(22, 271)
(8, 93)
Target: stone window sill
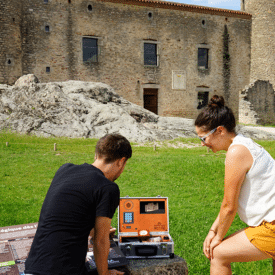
(151, 66)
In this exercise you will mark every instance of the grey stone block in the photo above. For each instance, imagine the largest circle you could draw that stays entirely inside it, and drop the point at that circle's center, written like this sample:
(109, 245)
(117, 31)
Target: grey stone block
(164, 266)
(175, 266)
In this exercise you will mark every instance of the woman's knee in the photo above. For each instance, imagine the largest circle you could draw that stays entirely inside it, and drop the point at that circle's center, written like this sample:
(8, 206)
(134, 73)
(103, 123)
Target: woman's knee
(219, 256)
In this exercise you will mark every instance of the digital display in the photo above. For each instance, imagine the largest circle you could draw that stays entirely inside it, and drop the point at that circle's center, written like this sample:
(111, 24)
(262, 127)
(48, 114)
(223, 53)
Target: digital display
(128, 217)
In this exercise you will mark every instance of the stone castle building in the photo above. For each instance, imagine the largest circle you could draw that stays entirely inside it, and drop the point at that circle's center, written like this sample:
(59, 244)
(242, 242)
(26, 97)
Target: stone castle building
(257, 101)
(168, 57)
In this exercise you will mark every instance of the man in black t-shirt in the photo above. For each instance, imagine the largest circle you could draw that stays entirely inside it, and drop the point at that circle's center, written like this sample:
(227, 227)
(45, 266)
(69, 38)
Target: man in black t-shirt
(80, 198)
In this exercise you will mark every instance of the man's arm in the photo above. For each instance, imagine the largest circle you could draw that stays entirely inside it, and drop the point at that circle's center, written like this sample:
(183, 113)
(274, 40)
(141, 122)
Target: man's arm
(102, 244)
(112, 232)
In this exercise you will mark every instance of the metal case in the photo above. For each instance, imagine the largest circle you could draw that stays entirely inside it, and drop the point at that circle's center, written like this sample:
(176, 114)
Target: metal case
(143, 228)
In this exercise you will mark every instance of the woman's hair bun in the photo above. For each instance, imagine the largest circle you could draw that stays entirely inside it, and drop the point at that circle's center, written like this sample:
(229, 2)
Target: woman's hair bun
(216, 101)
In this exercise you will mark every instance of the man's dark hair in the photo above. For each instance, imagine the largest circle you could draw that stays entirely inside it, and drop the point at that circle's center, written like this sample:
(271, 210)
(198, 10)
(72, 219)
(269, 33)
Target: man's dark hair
(112, 147)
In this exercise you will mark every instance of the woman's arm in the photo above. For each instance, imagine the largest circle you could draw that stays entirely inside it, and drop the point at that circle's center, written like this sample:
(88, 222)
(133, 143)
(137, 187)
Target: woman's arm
(215, 225)
(238, 162)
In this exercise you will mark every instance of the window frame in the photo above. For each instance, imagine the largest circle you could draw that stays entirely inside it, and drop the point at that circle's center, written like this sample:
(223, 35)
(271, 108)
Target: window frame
(198, 102)
(202, 90)
(208, 47)
(157, 52)
(205, 66)
(9, 61)
(99, 44)
(205, 22)
(47, 24)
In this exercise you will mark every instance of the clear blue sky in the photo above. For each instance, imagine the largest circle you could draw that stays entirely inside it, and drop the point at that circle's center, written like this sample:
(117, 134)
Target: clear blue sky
(222, 4)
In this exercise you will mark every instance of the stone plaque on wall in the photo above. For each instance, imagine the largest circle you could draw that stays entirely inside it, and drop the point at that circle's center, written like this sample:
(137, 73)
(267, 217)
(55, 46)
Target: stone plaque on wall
(178, 80)
(151, 76)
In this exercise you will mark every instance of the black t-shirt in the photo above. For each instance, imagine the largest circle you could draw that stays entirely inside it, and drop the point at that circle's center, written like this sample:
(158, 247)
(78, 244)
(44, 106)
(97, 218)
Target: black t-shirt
(77, 195)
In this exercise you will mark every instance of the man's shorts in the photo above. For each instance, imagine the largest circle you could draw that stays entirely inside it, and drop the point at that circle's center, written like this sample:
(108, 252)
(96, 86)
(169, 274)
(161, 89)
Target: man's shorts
(263, 237)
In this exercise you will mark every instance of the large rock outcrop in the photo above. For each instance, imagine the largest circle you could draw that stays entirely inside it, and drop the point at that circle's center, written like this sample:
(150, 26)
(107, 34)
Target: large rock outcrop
(87, 109)
(81, 109)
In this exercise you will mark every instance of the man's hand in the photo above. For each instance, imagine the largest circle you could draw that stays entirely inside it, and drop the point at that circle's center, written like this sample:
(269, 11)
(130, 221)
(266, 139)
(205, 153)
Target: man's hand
(112, 232)
(115, 272)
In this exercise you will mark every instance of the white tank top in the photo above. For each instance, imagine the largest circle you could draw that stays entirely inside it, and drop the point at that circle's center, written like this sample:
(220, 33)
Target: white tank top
(257, 195)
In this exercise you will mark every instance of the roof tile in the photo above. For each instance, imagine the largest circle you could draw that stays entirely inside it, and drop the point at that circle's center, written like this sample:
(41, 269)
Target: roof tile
(184, 7)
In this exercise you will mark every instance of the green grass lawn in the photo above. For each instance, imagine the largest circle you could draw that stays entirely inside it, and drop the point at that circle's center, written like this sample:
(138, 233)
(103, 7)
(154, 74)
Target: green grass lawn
(192, 179)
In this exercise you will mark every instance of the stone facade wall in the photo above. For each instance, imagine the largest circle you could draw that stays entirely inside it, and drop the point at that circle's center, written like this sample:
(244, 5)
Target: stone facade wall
(10, 41)
(121, 30)
(257, 99)
(257, 103)
(262, 39)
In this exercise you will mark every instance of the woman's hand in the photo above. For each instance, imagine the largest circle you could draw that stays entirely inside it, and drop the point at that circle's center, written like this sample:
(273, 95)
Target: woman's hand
(215, 242)
(207, 243)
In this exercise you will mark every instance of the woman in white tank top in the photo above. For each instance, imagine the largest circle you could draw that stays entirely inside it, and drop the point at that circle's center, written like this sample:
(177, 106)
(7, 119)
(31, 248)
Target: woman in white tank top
(249, 190)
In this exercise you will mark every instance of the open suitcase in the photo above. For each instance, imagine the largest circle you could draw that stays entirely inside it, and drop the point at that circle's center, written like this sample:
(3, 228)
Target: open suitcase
(143, 228)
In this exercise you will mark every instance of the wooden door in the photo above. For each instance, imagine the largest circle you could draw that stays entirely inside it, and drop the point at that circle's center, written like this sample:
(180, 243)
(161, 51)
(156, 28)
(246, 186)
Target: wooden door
(150, 99)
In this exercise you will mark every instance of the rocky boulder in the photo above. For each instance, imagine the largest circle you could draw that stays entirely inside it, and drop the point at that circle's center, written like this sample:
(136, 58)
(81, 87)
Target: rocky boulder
(81, 109)
(26, 80)
(86, 109)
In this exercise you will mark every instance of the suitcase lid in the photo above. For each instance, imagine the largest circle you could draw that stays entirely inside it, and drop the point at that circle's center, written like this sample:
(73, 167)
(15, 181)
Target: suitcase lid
(141, 215)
